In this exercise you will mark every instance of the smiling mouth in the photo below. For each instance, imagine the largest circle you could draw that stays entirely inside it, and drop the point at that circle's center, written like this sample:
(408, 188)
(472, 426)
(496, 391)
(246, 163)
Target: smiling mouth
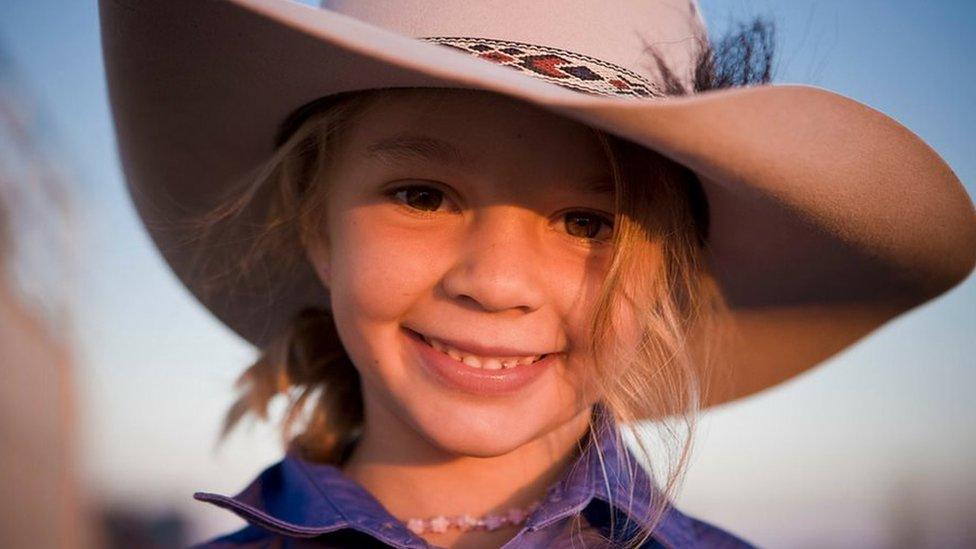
(478, 361)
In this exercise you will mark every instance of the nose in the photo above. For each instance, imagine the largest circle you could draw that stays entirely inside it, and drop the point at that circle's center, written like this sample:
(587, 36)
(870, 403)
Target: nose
(497, 267)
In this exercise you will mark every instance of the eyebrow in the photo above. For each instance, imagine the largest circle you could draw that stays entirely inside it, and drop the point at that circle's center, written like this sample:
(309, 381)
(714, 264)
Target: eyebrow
(417, 147)
(602, 185)
(430, 149)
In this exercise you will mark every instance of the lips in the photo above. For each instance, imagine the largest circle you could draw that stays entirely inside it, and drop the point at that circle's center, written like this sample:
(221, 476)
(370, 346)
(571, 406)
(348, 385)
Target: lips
(476, 374)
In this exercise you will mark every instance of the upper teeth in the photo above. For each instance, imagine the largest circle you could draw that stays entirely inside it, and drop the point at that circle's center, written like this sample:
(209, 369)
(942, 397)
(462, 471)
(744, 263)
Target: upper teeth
(475, 361)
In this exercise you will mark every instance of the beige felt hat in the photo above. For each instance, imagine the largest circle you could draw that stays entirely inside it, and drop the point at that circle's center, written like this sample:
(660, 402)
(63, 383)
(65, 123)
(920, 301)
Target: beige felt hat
(827, 218)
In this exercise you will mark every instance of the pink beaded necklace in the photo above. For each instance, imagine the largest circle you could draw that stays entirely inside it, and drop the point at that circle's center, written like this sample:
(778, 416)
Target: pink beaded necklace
(492, 521)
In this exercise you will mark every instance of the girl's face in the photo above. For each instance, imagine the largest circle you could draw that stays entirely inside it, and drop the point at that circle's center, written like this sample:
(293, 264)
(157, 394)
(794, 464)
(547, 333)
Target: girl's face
(477, 222)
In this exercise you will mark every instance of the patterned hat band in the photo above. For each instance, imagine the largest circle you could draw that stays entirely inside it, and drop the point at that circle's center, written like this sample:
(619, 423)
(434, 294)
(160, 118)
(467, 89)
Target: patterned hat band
(571, 70)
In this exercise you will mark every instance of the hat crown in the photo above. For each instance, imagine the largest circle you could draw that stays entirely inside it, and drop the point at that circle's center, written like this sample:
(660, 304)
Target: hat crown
(619, 32)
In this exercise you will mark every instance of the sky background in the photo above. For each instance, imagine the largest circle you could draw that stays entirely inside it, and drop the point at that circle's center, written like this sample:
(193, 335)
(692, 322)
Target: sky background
(875, 448)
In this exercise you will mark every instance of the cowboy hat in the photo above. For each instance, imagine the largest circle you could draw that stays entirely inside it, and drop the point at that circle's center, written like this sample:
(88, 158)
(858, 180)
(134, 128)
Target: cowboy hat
(827, 218)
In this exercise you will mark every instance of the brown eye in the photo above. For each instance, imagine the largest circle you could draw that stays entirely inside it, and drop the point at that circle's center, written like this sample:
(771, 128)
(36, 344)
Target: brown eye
(420, 198)
(585, 225)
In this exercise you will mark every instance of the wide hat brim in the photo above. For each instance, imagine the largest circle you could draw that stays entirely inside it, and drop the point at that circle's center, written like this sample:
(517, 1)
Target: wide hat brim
(828, 218)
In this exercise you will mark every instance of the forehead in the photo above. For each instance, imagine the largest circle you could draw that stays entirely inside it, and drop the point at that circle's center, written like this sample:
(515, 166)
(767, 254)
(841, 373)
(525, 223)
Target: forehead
(475, 131)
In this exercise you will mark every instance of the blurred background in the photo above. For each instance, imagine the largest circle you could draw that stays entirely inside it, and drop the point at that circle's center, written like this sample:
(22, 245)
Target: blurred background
(875, 448)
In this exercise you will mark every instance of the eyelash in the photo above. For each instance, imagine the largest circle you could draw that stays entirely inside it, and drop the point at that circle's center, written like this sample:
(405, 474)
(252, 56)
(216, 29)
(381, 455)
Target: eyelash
(393, 194)
(602, 219)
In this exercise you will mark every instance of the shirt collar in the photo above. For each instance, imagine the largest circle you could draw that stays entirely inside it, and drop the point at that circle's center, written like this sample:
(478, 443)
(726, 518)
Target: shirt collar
(299, 498)
(617, 478)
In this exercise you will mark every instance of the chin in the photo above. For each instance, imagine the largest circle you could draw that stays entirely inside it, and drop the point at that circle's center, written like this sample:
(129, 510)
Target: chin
(491, 427)
(478, 431)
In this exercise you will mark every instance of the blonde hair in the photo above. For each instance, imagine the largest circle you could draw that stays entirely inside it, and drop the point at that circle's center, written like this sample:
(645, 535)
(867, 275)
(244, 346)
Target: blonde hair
(661, 221)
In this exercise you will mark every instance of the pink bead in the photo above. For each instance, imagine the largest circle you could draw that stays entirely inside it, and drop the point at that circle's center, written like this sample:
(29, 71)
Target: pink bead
(494, 522)
(465, 523)
(439, 524)
(417, 526)
(515, 516)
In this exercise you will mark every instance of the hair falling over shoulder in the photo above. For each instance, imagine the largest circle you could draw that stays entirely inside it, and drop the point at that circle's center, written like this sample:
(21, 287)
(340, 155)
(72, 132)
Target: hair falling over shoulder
(661, 220)
(305, 361)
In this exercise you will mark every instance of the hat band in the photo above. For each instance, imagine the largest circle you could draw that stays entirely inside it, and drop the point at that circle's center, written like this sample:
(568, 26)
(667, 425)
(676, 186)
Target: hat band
(565, 68)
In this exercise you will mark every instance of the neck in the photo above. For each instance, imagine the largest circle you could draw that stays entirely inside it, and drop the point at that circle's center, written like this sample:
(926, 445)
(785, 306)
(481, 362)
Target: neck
(414, 479)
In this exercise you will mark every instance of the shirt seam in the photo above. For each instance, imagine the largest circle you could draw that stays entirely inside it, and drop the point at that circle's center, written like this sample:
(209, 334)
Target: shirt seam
(319, 491)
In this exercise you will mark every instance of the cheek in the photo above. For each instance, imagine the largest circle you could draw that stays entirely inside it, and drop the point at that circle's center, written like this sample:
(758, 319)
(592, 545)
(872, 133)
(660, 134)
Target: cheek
(378, 270)
(576, 285)
(619, 329)
(378, 274)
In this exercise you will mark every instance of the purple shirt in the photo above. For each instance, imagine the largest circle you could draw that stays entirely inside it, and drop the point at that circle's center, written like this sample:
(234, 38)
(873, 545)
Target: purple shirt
(297, 503)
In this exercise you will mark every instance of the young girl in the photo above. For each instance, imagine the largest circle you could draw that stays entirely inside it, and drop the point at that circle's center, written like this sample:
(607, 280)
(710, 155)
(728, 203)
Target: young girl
(467, 280)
